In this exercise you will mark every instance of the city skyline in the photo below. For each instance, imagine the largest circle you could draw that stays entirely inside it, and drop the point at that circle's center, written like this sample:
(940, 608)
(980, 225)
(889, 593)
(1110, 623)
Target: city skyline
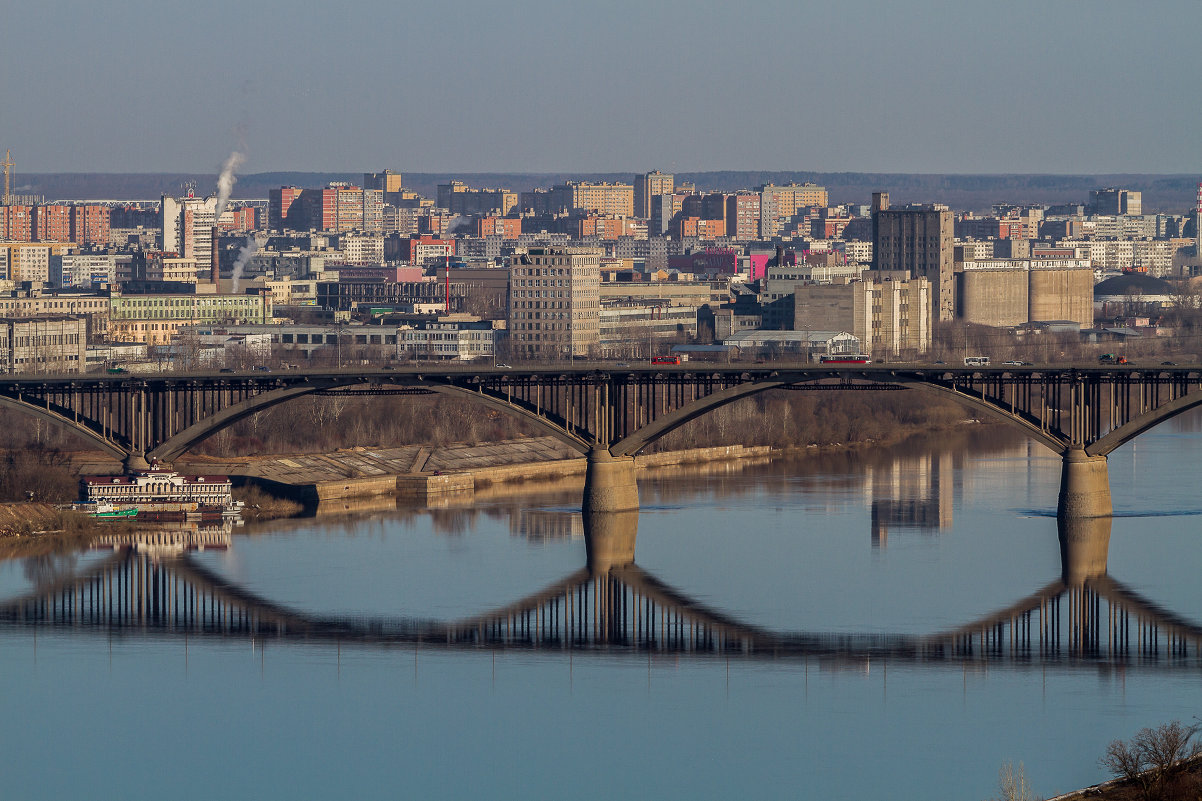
(537, 87)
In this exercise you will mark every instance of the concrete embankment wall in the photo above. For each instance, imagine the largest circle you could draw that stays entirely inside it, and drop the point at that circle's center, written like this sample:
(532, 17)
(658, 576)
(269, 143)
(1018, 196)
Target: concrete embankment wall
(423, 485)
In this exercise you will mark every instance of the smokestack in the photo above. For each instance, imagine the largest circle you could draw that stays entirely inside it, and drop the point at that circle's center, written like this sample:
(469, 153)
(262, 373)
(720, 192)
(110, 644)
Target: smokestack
(215, 268)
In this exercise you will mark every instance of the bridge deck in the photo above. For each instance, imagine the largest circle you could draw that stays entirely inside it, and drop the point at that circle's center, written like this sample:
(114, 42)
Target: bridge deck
(622, 408)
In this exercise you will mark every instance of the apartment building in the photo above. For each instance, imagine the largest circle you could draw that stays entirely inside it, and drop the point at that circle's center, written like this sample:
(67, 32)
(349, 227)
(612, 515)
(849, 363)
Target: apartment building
(649, 185)
(30, 261)
(603, 198)
(82, 270)
(459, 198)
(918, 240)
(743, 216)
(186, 228)
(779, 205)
(554, 302)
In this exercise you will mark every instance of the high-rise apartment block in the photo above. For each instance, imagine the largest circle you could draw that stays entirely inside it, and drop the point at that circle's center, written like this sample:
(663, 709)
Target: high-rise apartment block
(52, 223)
(503, 227)
(617, 199)
(343, 207)
(459, 198)
(1198, 224)
(338, 207)
(648, 186)
(90, 224)
(30, 261)
(16, 223)
(664, 209)
(284, 209)
(186, 227)
(81, 223)
(743, 216)
(555, 302)
(779, 205)
(1112, 201)
(388, 182)
(917, 240)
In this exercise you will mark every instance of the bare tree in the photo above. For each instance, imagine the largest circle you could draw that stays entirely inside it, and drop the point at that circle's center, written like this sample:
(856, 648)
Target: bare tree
(1012, 782)
(1153, 758)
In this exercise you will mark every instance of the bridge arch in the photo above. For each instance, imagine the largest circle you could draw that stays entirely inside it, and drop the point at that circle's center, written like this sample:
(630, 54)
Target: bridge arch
(632, 444)
(1125, 433)
(176, 445)
(64, 423)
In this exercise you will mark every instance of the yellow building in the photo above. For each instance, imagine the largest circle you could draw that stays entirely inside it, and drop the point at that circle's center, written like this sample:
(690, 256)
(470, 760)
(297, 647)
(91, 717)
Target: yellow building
(154, 319)
(95, 307)
(30, 261)
(166, 268)
(615, 199)
(780, 204)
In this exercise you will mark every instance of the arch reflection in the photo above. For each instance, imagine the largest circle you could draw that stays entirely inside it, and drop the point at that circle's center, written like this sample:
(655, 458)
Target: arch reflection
(150, 584)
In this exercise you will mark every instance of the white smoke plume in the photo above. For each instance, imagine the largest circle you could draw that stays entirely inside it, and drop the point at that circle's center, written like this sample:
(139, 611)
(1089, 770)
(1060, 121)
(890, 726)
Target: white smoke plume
(244, 255)
(227, 179)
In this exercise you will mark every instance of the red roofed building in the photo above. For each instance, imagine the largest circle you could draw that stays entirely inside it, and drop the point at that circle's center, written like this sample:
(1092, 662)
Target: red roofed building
(158, 489)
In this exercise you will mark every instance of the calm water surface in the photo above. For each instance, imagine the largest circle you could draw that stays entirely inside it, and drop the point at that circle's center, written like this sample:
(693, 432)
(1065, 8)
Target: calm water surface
(910, 541)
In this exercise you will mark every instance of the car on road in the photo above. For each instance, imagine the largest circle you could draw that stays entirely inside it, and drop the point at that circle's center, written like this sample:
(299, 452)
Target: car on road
(1016, 363)
(503, 366)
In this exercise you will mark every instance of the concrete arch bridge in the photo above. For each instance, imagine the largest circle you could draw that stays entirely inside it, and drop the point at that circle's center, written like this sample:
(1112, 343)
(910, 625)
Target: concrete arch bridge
(609, 412)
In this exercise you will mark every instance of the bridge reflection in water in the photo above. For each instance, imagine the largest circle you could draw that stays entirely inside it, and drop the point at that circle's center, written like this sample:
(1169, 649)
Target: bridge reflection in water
(151, 585)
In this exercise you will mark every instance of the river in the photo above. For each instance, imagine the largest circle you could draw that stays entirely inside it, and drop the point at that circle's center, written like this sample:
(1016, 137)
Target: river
(825, 576)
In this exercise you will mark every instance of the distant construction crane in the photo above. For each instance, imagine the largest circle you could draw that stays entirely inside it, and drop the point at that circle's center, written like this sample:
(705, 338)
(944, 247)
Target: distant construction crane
(7, 164)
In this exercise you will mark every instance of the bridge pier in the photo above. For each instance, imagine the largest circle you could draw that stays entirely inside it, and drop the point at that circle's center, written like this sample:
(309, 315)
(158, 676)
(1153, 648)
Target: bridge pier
(609, 539)
(1084, 546)
(609, 483)
(1084, 486)
(135, 461)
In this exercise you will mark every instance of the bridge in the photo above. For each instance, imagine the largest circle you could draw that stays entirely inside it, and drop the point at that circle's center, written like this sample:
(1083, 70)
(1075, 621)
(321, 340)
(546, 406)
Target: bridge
(149, 586)
(610, 412)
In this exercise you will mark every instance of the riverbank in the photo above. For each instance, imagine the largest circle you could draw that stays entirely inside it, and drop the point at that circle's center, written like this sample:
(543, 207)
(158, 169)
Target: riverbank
(424, 475)
(1185, 785)
(32, 529)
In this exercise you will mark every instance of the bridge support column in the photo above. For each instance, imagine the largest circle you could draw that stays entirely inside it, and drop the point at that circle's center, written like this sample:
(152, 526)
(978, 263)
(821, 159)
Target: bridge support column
(609, 539)
(1084, 486)
(1084, 545)
(135, 461)
(609, 484)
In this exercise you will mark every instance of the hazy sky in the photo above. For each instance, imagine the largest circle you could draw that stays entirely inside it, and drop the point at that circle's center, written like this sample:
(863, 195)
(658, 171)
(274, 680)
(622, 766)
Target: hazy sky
(1054, 86)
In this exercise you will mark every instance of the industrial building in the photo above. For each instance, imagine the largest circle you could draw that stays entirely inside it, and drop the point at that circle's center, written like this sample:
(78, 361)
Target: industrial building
(887, 316)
